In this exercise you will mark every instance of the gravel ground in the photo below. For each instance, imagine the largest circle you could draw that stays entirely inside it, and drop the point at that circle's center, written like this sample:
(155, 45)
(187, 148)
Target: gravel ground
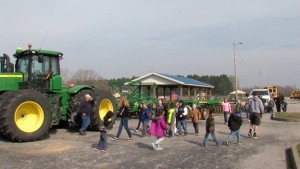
(67, 149)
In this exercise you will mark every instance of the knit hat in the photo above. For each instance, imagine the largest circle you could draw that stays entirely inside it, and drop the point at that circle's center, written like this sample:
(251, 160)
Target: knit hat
(88, 96)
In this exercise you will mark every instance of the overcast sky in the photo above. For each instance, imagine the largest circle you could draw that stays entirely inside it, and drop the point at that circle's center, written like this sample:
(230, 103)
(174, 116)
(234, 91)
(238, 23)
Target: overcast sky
(122, 38)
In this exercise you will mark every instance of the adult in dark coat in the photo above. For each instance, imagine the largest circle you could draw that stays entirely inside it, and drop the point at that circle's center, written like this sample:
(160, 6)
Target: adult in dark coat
(279, 102)
(85, 109)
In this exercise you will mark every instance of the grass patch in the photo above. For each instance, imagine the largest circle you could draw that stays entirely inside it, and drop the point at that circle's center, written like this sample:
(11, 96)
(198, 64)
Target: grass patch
(298, 148)
(288, 115)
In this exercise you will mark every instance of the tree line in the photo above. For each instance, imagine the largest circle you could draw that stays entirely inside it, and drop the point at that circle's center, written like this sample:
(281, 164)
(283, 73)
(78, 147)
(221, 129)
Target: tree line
(223, 84)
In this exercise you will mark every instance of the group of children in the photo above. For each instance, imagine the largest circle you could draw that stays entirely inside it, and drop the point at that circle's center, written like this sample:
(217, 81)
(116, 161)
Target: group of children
(175, 119)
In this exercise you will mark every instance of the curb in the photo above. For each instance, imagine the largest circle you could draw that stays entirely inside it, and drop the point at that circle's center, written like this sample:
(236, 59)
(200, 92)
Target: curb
(282, 119)
(295, 155)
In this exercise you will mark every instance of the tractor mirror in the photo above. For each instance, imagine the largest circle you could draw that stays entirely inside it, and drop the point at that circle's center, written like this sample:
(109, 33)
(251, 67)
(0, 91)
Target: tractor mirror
(41, 59)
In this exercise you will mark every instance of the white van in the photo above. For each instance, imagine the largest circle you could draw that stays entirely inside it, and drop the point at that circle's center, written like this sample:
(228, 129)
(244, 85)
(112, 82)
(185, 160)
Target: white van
(264, 93)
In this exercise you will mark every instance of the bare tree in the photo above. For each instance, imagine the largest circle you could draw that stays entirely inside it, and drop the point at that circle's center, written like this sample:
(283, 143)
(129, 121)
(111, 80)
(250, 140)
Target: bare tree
(66, 75)
(91, 78)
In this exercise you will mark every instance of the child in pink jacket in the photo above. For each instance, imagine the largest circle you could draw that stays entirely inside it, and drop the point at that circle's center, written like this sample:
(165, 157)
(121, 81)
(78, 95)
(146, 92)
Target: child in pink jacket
(158, 127)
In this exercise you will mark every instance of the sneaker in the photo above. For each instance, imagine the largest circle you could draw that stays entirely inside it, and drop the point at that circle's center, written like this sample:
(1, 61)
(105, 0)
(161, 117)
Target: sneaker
(82, 132)
(96, 149)
(115, 138)
(104, 151)
(130, 138)
(135, 130)
(159, 148)
(154, 146)
(255, 137)
(239, 143)
(226, 142)
(225, 123)
(204, 145)
(249, 135)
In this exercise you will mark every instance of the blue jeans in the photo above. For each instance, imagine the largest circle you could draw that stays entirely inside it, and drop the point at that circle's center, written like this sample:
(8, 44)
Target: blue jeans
(225, 117)
(124, 122)
(182, 124)
(139, 123)
(145, 124)
(237, 133)
(196, 127)
(86, 120)
(213, 136)
(102, 144)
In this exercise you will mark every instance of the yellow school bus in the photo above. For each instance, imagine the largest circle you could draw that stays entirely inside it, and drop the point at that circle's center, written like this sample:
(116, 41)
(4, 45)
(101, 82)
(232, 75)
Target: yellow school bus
(295, 94)
(273, 90)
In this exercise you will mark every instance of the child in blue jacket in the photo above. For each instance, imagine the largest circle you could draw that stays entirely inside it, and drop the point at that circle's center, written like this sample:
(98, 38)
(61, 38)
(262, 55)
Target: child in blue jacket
(145, 118)
(234, 123)
(107, 124)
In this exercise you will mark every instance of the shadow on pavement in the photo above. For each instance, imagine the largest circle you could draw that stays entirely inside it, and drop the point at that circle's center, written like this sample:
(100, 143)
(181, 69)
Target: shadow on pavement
(143, 145)
(194, 142)
(289, 159)
(2, 138)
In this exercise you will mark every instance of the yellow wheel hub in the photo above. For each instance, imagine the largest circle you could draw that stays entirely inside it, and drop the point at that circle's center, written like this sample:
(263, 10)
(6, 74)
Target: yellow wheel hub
(29, 116)
(105, 106)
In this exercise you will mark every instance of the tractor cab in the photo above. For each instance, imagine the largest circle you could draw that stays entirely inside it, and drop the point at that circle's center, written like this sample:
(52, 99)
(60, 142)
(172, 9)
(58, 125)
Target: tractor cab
(40, 69)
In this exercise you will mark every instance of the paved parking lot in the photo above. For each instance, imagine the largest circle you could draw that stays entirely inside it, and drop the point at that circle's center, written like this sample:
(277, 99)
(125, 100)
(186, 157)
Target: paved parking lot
(66, 149)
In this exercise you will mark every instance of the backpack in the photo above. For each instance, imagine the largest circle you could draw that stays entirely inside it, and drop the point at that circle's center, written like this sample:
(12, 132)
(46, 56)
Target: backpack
(240, 120)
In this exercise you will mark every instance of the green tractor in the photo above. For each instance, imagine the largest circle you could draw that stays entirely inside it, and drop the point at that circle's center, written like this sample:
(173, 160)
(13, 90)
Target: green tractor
(33, 99)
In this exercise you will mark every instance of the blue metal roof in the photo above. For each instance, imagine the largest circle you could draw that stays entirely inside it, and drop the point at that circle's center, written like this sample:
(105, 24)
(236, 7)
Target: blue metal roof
(187, 81)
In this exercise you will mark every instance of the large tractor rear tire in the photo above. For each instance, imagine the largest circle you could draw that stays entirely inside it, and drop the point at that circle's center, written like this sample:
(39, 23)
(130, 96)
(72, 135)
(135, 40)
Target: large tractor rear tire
(103, 102)
(25, 115)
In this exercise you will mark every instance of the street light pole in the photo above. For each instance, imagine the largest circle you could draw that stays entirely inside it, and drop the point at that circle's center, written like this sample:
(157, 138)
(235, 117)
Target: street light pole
(235, 75)
(260, 78)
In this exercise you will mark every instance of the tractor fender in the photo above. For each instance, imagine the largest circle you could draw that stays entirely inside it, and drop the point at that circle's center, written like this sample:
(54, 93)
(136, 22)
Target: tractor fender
(78, 88)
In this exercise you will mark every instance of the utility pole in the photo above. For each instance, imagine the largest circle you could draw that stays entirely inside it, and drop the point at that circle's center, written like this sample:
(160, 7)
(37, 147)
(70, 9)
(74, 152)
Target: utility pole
(235, 75)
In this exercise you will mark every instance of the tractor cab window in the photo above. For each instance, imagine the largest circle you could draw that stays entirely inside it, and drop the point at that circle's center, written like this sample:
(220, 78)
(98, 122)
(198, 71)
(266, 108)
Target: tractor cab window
(22, 65)
(48, 64)
(46, 69)
(54, 65)
(36, 65)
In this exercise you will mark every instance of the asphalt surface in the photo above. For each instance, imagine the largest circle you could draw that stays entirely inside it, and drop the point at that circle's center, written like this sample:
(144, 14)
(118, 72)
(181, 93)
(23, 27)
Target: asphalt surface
(67, 149)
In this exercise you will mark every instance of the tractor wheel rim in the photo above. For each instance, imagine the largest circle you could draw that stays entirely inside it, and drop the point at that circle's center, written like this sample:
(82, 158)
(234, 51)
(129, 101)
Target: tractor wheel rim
(105, 106)
(29, 116)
